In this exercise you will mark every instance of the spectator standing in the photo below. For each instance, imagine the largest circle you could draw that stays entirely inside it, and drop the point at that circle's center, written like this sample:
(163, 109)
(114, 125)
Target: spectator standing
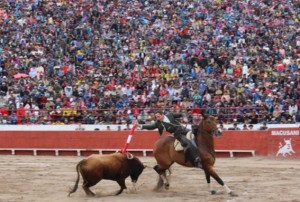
(264, 126)
(250, 127)
(235, 127)
(245, 127)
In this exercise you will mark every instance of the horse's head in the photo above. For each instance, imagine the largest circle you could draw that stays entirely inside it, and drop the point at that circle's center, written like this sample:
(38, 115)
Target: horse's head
(210, 125)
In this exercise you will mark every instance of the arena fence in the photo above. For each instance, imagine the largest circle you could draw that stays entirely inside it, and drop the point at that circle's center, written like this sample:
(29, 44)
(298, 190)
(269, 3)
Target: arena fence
(275, 142)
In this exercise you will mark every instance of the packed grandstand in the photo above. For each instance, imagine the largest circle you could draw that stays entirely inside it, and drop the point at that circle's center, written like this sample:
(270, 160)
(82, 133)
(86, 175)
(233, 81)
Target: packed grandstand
(113, 62)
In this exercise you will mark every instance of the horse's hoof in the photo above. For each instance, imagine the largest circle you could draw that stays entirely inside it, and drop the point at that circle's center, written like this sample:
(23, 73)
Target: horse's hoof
(213, 192)
(167, 186)
(232, 194)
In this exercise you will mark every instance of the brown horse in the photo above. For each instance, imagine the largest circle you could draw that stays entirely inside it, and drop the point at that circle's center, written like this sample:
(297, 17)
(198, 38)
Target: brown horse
(165, 154)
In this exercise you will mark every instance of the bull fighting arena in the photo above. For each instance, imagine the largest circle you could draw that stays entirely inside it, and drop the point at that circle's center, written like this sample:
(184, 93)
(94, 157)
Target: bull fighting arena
(47, 179)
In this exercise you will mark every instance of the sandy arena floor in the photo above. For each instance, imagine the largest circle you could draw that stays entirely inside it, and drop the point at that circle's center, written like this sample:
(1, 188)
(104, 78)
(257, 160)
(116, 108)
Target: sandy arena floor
(48, 179)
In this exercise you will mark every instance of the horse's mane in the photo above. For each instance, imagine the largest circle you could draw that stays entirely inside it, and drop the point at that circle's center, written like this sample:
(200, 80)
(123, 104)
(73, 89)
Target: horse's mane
(199, 128)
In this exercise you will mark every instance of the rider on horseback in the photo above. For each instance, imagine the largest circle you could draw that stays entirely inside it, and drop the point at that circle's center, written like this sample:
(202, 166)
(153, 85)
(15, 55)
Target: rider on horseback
(169, 123)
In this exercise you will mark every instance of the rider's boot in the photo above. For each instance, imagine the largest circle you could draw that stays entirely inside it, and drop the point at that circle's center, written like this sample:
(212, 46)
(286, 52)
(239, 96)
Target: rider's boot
(197, 162)
(191, 151)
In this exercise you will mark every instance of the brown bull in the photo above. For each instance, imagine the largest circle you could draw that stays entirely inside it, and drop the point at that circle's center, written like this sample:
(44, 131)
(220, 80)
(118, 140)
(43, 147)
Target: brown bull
(116, 167)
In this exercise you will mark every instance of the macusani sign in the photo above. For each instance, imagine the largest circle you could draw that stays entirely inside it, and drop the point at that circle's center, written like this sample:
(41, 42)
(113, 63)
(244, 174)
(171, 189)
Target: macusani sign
(285, 132)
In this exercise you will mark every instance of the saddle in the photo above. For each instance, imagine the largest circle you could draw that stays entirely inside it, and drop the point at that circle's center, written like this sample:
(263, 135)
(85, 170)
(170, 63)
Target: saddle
(190, 136)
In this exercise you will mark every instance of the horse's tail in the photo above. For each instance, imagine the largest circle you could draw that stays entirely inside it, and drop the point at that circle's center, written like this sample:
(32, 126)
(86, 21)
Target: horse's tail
(78, 177)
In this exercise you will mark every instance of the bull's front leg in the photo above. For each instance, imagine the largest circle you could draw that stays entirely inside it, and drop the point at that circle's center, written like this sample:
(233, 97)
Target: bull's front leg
(121, 182)
(133, 189)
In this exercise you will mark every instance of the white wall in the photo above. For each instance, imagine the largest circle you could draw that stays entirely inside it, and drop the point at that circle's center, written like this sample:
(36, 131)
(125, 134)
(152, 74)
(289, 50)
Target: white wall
(104, 127)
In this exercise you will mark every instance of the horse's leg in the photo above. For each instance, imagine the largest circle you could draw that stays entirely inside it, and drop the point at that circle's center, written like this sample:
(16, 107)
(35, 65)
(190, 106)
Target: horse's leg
(213, 174)
(165, 180)
(159, 184)
(162, 178)
(211, 190)
(160, 181)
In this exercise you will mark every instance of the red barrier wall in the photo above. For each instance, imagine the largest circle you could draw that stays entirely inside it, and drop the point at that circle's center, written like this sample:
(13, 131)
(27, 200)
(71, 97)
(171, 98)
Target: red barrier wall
(280, 142)
(243, 140)
(75, 139)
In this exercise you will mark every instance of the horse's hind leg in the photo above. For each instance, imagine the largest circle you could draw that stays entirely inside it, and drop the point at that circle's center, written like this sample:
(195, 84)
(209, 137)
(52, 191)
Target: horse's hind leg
(165, 180)
(162, 178)
(213, 174)
(159, 184)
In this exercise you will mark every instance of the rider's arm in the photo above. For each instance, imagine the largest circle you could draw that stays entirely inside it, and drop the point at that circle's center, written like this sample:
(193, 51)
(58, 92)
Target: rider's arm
(146, 126)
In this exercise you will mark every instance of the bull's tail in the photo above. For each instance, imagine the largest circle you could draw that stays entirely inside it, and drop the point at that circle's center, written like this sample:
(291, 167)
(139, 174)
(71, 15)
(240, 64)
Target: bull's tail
(77, 180)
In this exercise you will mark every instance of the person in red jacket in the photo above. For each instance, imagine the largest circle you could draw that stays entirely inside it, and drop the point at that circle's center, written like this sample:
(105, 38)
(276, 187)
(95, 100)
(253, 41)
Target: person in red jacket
(20, 113)
(4, 111)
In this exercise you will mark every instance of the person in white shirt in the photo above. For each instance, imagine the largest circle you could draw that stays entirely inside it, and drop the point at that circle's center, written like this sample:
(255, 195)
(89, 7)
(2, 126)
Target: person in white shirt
(245, 70)
(293, 109)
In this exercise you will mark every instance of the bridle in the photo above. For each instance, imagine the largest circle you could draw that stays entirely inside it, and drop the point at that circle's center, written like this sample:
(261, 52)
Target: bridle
(216, 131)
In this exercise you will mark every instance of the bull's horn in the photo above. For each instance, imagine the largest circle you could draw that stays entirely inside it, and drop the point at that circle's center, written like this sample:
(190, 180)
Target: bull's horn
(129, 155)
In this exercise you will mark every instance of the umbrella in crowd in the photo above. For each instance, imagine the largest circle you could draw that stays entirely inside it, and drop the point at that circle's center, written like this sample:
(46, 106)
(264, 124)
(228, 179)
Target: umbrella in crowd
(20, 75)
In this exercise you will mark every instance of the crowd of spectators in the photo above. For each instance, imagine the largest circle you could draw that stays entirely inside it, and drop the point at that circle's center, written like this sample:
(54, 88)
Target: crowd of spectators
(113, 61)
